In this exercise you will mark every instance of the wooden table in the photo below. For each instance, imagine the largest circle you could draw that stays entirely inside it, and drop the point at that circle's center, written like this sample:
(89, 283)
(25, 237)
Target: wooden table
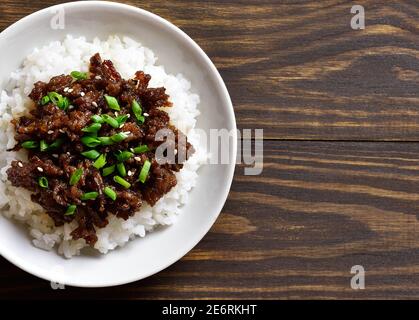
(340, 110)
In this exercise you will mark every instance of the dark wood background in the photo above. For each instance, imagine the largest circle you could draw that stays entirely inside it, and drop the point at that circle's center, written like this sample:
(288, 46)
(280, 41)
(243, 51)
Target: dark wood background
(340, 110)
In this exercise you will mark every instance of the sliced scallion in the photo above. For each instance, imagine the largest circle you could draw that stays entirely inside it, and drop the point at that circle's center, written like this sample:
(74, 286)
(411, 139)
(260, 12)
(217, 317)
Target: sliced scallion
(64, 104)
(121, 119)
(100, 162)
(45, 100)
(98, 119)
(43, 146)
(138, 111)
(111, 121)
(108, 170)
(30, 144)
(79, 75)
(122, 156)
(60, 101)
(89, 196)
(90, 141)
(119, 137)
(76, 176)
(71, 210)
(95, 127)
(141, 149)
(43, 182)
(110, 193)
(121, 169)
(112, 103)
(105, 141)
(55, 97)
(144, 171)
(122, 182)
(91, 154)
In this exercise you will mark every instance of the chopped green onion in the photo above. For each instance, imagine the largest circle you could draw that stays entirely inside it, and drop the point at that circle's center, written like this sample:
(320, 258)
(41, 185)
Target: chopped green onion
(122, 182)
(141, 119)
(138, 111)
(108, 170)
(71, 210)
(111, 121)
(43, 182)
(43, 146)
(97, 118)
(144, 171)
(55, 97)
(45, 100)
(122, 156)
(121, 119)
(95, 127)
(79, 75)
(64, 104)
(112, 103)
(100, 162)
(110, 193)
(105, 141)
(121, 169)
(119, 137)
(59, 100)
(89, 196)
(90, 141)
(57, 143)
(30, 144)
(141, 149)
(91, 154)
(75, 177)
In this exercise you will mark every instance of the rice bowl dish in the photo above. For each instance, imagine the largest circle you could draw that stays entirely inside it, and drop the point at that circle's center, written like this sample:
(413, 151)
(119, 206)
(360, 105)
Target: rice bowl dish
(62, 58)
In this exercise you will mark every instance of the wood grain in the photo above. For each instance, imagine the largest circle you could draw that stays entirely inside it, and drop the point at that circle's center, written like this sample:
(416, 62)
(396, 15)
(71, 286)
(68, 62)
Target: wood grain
(342, 191)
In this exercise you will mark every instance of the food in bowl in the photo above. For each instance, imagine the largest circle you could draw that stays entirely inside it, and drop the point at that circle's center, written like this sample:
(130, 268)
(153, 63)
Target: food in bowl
(79, 159)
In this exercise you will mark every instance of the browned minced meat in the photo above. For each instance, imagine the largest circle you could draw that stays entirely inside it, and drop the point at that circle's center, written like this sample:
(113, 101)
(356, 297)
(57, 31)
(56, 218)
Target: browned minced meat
(87, 98)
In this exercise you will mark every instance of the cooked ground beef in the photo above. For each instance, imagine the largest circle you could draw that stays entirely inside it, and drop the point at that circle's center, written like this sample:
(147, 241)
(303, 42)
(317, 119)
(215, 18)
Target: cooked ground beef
(54, 137)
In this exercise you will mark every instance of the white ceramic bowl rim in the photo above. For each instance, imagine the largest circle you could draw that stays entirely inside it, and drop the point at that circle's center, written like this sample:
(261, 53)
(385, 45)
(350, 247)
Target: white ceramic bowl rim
(25, 22)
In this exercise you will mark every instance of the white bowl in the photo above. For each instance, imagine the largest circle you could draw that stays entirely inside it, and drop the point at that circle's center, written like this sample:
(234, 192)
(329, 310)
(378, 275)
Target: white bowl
(179, 54)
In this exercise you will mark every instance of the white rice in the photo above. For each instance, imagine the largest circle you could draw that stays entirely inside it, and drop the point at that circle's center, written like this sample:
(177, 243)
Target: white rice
(62, 58)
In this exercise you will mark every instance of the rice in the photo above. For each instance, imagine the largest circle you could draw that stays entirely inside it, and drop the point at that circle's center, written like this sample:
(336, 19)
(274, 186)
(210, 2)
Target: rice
(63, 57)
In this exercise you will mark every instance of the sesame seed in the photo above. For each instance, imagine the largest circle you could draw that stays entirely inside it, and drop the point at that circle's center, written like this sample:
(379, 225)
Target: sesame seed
(61, 131)
(116, 114)
(131, 149)
(127, 132)
(68, 153)
(70, 90)
(121, 126)
(98, 78)
(137, 158)
(82, 94)
(50, 131)
(94, 104)
(40, 169)
(55, 155)
(146, 114)
(71, 107)
(129, 173)
(129, 115)
(66, 89)
(20, 164)
(175, 151)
